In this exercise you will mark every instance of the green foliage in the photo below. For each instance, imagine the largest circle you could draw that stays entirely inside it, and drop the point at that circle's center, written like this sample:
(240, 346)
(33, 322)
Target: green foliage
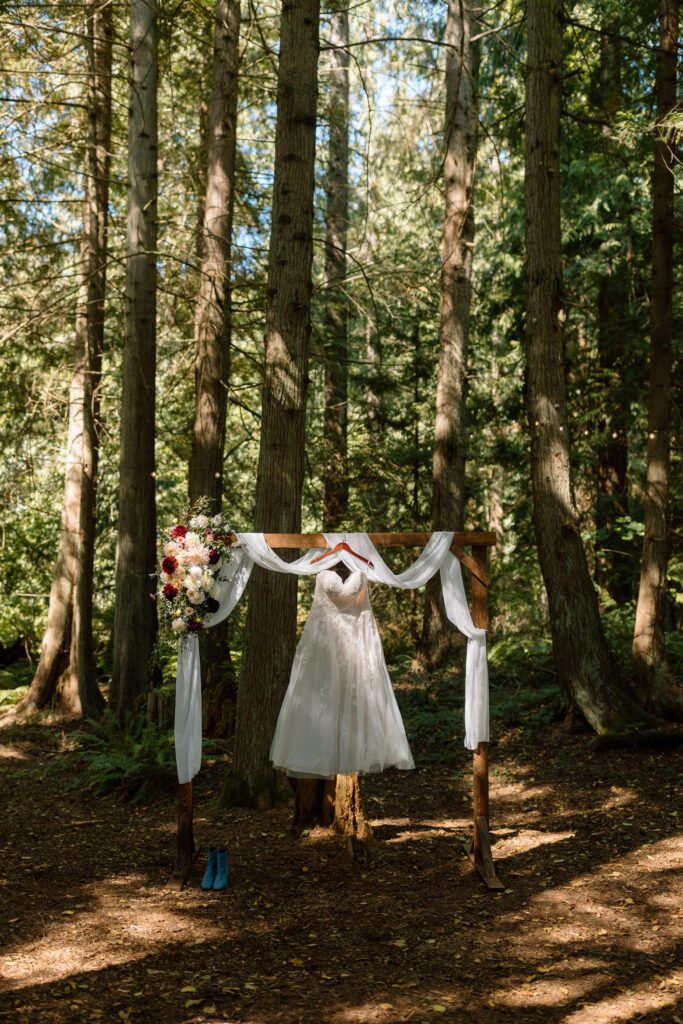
(10, 695)
(133, 760)
(396, 213)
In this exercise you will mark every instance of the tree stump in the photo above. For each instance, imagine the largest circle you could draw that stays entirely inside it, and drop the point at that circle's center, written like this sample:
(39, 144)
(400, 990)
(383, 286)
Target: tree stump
(336, 804)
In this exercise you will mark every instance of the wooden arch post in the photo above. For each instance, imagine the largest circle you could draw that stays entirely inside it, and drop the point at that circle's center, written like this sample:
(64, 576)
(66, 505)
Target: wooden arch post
(479, 846)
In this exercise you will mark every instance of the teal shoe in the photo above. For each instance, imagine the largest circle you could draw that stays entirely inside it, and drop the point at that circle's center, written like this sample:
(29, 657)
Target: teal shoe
(207, 881)
(221, 877)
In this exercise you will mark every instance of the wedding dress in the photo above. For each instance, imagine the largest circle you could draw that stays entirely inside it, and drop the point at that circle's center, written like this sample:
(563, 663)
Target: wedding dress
(339, 715)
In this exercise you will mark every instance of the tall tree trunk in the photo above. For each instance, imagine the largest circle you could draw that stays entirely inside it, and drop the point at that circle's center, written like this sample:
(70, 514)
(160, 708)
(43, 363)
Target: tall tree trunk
(271, 615)
(213, 326)
(583, 660)
(496, 488)
(373, 487)
(66, 660)
(135, 611)
(450, 438)
(100, 35)
(656, 687)
(612, 569)
(336, 481)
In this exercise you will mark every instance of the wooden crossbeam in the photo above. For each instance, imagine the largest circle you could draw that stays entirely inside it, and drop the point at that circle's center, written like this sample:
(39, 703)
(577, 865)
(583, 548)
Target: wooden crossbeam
(471, 538)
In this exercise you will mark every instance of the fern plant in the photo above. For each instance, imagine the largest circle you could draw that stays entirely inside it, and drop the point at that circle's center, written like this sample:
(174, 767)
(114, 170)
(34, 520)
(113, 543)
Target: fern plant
(133, 759)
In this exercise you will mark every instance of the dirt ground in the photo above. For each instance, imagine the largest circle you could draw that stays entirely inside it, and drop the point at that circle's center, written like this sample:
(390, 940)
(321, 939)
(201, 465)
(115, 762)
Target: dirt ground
(587, 931)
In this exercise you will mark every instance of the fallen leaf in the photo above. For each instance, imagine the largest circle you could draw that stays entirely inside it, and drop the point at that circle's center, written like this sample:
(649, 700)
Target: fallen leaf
(438, 1008)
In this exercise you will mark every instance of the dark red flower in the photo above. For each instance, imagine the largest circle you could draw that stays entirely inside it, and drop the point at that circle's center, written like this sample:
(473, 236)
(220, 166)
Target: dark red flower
(212, 605)
(213, 556)
(193, 626)
(169, 591)
(178, 531)
(169, 564)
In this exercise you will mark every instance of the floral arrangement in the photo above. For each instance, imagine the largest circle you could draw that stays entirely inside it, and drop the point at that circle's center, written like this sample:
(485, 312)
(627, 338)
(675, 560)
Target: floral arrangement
(195, 549)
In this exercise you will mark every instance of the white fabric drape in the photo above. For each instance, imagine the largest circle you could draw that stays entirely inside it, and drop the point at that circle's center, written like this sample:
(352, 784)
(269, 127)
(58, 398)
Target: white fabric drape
(252, 549)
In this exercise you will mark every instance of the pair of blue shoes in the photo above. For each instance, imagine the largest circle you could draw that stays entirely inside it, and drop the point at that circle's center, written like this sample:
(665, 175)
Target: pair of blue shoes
(216, 874)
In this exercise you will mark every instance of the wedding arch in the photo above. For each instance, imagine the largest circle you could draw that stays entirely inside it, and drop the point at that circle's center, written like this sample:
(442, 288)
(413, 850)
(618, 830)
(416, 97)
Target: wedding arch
(443, 553)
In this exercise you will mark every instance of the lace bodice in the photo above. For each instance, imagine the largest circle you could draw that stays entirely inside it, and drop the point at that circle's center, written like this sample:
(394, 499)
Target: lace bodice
(349, 596)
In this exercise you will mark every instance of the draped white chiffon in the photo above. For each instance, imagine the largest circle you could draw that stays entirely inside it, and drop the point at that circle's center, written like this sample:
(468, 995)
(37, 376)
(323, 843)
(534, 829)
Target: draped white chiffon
(339, 715)
(252, 549)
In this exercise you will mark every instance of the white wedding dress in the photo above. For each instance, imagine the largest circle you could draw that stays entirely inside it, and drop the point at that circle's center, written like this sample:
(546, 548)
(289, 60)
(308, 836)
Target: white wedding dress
(339, 715)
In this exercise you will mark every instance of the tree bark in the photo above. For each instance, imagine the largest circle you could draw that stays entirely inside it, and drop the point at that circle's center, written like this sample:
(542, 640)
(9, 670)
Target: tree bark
(457, 241)
(335, 314)
(213, 328)
(271, 615)
(333, 803)
(100, 39)
(135, 611)
(612, 565)
(584, 664)
(66, 662)
(656, 686)
(373, 488)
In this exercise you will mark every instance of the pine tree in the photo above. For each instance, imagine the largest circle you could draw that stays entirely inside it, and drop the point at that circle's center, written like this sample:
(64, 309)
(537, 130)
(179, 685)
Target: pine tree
(135, 611)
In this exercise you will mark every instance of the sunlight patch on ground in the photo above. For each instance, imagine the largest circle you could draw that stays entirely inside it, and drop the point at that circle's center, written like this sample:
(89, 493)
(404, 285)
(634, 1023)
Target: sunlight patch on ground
(101, 930)
(390, 1007)
(421, 830)
(606, 901)
(13, 753)
(594, 918)
(662, 993)
(526, 840)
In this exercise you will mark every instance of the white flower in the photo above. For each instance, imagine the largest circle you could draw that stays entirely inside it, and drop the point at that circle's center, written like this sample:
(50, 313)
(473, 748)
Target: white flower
(187, 582)
(196, 572)
(195, 596)
(170, 548)
(217, 520)
(191, 538)
(189, 610)
(164, 577)
(179, 625)
(201, 522)
(207, 581)
(192, 523)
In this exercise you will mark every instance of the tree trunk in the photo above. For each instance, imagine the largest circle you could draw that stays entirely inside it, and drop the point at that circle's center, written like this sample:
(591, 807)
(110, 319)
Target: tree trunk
(335, 803)
(583, 660)
(66, 661)
(271, 615)
(656, 687)
(100, 37)
(611, 565)
(135, 611)
(213, 326)
(612, 570)
(373, 487)
(457, 241)
(335, 316)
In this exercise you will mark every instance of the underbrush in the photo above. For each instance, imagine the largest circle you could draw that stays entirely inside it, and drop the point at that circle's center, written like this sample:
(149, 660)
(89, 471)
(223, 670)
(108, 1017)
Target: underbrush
(134, 760)
(524, 693)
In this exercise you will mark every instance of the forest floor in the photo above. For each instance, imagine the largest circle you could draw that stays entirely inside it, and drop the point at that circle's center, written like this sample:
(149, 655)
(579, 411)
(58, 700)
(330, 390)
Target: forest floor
(586, 931)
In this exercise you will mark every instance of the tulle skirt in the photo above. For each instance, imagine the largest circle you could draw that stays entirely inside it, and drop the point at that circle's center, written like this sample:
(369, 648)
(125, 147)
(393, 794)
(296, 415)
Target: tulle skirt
(339, 715)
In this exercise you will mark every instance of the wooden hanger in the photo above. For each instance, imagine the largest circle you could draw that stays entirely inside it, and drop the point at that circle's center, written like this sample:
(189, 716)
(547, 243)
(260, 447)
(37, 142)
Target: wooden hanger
(341, 546)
